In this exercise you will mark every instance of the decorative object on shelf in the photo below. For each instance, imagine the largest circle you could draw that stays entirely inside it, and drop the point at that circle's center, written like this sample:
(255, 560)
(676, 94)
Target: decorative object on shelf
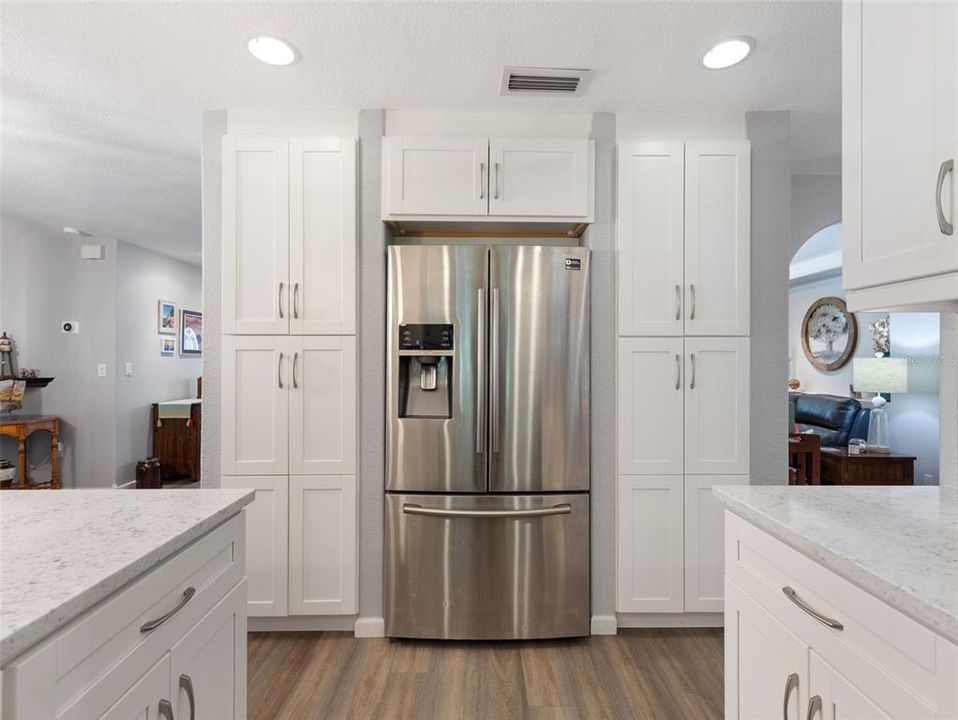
(856, 446)
(11, 394)
(881, 340)
(829, 334)
(794, 384)
(6, 357)
(27, 373)
(165, 317)
(191, 332)
(167, 346)
(884, 375)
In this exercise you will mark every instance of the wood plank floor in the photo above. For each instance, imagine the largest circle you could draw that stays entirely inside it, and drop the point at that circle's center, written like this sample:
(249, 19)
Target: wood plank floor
(635, 675)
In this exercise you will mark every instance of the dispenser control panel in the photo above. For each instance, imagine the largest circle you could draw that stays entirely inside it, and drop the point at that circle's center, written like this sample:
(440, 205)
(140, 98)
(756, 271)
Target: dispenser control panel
(425, 337)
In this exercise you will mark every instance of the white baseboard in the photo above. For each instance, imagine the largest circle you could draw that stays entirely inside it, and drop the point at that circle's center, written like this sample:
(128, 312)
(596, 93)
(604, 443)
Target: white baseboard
(308, 623)
(369, 627)
(604, 625)
(669, 620)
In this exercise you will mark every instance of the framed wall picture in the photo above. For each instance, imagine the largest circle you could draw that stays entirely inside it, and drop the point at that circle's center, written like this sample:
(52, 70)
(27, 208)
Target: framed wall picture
(829, 334)
(165, 317)
(191, 332)
(167, 346)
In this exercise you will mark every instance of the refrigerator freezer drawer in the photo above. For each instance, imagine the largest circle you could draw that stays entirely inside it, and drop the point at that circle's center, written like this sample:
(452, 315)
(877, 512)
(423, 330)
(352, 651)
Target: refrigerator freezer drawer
(487, 567)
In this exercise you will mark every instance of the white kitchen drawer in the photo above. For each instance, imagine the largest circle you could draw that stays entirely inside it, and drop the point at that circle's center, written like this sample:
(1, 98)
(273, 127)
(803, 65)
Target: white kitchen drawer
(879, 648)
(108, 638)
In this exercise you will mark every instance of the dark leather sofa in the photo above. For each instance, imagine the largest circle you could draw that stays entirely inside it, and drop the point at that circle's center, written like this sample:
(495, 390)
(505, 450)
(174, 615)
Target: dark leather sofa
(834, 418)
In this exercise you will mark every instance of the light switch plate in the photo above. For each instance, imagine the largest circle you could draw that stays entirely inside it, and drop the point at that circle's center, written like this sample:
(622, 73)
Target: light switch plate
(128, 369)
(101, 370)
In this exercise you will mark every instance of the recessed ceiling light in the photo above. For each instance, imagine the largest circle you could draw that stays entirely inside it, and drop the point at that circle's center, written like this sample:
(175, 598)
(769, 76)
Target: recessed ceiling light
(272, 50)
(728, 53)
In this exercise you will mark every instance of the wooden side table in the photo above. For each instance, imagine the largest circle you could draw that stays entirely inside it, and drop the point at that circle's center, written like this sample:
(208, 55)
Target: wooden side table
(22, 427)
(840, 468)
(804, 453)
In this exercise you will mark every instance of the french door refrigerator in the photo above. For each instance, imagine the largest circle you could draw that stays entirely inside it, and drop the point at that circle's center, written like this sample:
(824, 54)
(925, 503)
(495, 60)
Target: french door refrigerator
(487, 442)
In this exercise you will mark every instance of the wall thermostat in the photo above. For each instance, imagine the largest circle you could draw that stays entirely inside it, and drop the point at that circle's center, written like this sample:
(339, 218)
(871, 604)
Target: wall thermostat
(70, 326)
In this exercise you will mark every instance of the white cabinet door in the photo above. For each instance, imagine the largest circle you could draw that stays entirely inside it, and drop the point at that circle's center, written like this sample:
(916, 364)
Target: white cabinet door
(436, 175)
(256, 379)
(140, 702)
(650, 239)
(539, 177)
(899, 125)
(650, 406)
(705, 542)
(717, 237)
(323, 406)
(267, 543)
(717, 406)
(322, 216)
(649, 529)
(763, 662)
(255, 236)
(323, 575)
(209, 663)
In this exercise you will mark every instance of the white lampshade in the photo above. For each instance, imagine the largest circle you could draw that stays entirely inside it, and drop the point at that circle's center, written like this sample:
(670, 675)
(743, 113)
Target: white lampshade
(881, 375)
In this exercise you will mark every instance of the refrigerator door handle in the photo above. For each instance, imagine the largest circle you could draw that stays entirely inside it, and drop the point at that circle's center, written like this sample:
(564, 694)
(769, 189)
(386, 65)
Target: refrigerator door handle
(494, 370)
(481, 371)
(413, 509)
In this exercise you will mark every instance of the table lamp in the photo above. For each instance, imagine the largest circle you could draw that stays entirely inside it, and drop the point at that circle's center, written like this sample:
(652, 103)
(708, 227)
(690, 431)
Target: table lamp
(884, 375)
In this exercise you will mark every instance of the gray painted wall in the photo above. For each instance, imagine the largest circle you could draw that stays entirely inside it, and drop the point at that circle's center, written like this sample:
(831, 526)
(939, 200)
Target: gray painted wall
(769, 134)
(948, 402)
(142, 278)
(816, 204)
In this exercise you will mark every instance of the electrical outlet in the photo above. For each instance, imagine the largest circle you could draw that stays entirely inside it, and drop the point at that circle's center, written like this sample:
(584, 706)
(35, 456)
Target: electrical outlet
(101, 370)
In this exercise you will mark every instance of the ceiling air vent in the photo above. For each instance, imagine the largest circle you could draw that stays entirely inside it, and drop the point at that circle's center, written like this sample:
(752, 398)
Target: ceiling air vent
(543, 81)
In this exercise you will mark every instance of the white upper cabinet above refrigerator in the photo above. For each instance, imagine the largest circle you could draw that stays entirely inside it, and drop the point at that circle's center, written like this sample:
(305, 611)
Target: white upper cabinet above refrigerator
(436, 175)
(539, 176)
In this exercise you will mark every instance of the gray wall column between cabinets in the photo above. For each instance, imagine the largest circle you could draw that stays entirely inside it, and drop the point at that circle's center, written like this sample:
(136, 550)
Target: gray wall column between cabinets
(600, 239)
(211, 182)
(948, 402)
(770, 136)
(373, 239)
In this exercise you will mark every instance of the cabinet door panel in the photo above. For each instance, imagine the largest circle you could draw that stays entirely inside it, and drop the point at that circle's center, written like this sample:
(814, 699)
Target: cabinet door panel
(537, 176)
(256, 377)
(322, 212)
(650, 238)
(210, 660)
(267, 529)
(717, 237)
(649, 529)
(900, 124)
(705, 542)
(323, 406)
(650, 406)
(436, 176)
(717, 406)
(139, 702)
(322, 545)
(760, 655)
(255, 236)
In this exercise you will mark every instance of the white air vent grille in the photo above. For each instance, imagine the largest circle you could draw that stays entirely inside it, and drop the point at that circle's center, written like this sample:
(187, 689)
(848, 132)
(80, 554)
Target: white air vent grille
(543, 81)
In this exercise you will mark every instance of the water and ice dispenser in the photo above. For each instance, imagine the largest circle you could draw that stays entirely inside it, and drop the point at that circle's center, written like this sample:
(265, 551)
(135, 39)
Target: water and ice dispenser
(425, 370)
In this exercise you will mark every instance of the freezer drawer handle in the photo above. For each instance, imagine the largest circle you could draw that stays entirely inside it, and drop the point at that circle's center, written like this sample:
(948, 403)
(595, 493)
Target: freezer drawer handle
(412, 509)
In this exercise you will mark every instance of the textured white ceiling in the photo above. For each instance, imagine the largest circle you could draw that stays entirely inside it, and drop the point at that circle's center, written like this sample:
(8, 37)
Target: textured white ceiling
(102, 102)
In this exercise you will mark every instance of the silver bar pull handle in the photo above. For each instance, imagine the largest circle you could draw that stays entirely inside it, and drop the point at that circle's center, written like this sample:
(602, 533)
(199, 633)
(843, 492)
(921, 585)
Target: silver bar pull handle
(791, 684)
(678, 371)
(497, 181)
(154, 624)
(494, 370)
(814, 707)
(692, 293)
(279, 371)
(413, 509)
(946, 227)
(482, 181)
(186, 684)
(295, 363)
(481, 374)
(165, 709)
(281, 301)
(823, 619)
(678, 302)
(295, 301)
(692, 381)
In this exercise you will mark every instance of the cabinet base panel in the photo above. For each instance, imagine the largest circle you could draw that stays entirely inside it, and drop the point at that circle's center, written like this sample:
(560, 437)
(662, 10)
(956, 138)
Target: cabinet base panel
(670, 620)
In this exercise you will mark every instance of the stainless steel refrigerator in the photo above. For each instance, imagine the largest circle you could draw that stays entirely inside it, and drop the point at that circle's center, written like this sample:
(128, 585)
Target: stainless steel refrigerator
(487, 442)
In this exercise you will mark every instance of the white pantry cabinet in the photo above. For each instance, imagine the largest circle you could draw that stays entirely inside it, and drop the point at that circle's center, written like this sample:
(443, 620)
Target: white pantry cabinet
(482, 179)
(900, 143)
(289, 236)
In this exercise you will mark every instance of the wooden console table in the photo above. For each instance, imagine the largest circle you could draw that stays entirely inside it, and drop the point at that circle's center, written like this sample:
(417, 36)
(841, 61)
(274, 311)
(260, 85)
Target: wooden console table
(840, 468)
(22, 427)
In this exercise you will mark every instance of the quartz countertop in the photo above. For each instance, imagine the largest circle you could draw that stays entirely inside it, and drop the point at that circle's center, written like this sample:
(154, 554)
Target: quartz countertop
(63, 551)
(898, 543)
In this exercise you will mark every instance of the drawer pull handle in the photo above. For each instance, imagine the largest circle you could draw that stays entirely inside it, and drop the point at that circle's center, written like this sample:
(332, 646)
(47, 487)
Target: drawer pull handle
(413, 509)
(823, 619)
(814, 706)
(154, 624)
(790, 684)
(186, 684)
(165, 709)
